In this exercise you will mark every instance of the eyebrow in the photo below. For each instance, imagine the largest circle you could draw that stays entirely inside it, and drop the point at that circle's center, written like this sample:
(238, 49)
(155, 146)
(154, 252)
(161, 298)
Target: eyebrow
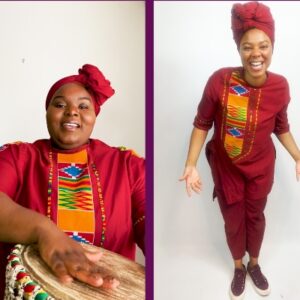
(80, 98)
(248, 43)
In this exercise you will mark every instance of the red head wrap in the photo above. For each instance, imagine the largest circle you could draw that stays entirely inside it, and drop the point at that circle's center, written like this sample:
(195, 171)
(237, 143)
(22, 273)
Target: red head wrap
(92, 79)
(251, 15)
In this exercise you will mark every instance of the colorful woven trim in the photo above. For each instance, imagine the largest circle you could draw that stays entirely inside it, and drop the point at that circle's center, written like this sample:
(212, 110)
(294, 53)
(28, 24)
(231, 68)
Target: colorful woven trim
(239, 117)
(50, 184)
(75, 210)
(75, 203)
(101, 202)
(5, 146)
(19, 284)
(139, 220)
(237, 109)
(123, 148)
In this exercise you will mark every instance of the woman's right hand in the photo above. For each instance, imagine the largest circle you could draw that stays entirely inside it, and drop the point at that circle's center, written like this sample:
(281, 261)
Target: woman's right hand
(69, 260)
(192, 180)
(65, 257)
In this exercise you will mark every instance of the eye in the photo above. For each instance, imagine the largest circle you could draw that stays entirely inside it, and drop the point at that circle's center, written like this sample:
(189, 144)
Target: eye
(264, 47)
(59, 105)
(246, 48)
(83, 106)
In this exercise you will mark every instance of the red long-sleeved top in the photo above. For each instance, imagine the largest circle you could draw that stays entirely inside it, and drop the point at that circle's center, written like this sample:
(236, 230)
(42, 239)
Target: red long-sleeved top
(116, 221)
(241, 153)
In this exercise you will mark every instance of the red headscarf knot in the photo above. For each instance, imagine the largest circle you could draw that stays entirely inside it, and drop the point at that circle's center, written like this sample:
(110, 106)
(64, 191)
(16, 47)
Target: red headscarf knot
(92, 79)
(251, 15)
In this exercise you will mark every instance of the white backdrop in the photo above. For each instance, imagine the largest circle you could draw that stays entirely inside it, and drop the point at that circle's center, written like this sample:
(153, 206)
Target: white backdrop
(192, 261)
(42, 42)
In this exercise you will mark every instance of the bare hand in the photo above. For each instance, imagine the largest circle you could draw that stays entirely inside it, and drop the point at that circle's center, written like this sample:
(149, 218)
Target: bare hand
(192, 180)
(69, 260)
(298, 170)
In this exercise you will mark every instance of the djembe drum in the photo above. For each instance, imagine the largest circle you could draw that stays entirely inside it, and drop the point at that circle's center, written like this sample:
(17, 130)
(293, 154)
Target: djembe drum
(28, 277)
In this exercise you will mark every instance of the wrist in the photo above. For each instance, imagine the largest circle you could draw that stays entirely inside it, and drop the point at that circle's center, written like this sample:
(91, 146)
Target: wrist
(190, 164)
(44, 229)
(296, 157)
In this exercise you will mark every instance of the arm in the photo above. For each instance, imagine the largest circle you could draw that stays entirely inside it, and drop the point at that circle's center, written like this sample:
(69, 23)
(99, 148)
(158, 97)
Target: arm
(288, 142)
(206, 113)
(190, 174)
(136, 169)
(14, 222)
(65, 257)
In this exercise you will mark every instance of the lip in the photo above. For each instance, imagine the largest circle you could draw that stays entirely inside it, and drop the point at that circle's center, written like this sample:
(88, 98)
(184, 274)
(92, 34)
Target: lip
(256, 62)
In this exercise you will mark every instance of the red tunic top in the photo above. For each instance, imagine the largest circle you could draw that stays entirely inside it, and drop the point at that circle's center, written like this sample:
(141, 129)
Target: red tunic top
(241, 153)
(95, 193)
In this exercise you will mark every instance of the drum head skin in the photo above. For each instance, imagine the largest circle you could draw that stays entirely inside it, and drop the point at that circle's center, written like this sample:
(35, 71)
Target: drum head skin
(28, 277)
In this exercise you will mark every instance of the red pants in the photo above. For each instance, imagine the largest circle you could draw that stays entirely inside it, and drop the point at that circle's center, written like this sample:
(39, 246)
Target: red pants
(244, 226)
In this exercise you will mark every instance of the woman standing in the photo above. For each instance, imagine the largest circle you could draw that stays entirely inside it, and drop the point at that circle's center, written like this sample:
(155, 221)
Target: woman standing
(246, 105)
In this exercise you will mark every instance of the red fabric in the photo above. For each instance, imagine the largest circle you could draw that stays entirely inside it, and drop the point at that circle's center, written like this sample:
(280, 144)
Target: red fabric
(244, 226)
(122, 178)
(92, 79)
(257, 167)
(251, 15)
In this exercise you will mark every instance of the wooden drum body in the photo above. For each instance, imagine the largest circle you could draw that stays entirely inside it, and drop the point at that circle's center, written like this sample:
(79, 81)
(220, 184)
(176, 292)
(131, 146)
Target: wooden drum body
(28, 277)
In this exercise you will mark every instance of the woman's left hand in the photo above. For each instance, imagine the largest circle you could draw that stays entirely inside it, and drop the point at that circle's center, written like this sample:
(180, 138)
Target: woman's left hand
(298, 170)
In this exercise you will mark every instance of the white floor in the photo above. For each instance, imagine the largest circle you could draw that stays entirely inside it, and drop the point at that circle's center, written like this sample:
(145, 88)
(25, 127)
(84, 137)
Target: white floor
(204, 273)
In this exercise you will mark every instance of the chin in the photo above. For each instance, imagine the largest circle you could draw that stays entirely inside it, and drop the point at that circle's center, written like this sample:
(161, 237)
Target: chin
(67, 145)
(72, 145)
(258, 75)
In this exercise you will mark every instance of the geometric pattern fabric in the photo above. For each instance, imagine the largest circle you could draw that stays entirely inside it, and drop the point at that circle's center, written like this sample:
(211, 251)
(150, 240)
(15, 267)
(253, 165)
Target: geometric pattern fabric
(75, 211)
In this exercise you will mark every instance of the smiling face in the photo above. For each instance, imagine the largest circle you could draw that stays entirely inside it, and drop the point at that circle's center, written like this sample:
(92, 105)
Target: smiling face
(256, 55)
(71, 116)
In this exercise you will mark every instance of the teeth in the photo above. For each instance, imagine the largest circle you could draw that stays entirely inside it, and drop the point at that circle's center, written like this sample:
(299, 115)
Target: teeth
(256, 64)
(71, 124)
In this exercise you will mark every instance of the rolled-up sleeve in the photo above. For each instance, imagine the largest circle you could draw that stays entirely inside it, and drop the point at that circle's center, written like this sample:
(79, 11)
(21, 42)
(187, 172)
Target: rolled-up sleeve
(281, 122)
(208, 104)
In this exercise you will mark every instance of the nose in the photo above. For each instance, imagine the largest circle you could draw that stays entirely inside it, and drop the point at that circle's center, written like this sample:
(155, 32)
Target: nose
(71, 110)
(256, 52)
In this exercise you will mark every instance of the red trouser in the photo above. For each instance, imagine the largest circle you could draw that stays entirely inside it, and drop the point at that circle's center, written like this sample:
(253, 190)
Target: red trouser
(244, 226)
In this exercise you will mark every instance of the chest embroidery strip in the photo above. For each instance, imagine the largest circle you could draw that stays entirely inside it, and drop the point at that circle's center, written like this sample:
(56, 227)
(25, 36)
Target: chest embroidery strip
(75, 210)
(75, 203)
(240, 111)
